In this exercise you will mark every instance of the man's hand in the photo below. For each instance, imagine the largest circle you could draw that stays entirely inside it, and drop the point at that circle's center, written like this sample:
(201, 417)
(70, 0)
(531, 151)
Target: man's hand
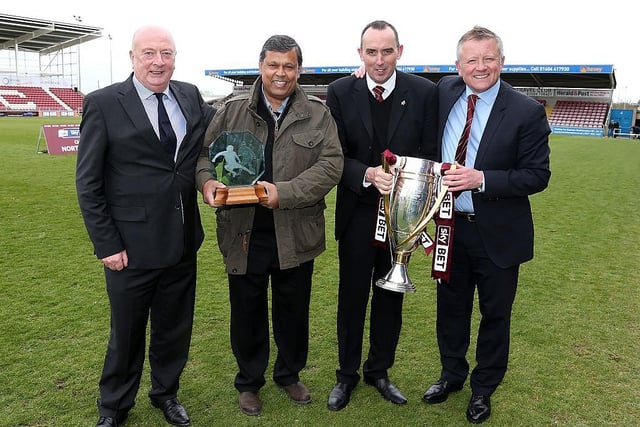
(380, 179)
(117, 261)
(272, 201)
(209, 192)
(360, 72)
(463, 178)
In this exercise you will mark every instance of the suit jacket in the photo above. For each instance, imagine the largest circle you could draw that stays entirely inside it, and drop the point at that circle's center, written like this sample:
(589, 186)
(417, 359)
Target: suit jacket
(514, 156)
(412, 131)
(131, 194)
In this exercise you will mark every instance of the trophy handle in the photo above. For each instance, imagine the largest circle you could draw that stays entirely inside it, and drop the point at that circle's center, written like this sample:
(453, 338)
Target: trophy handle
(441, 195)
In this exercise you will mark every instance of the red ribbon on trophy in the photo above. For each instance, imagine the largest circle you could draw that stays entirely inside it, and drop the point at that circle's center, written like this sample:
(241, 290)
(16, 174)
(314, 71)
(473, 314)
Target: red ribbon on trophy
(380, 233)
(443, 245)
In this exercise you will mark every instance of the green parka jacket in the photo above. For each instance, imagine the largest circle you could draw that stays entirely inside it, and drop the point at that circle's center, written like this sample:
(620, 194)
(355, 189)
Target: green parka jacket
(307, 164)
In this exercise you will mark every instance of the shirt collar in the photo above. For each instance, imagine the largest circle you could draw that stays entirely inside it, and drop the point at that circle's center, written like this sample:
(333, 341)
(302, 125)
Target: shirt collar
(488, 96)
(145, 93)
(388, 86)
(280, 109)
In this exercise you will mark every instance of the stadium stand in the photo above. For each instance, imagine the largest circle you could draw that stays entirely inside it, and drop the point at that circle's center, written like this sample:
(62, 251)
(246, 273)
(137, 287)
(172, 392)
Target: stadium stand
(50, 89)
(579, 114)
(71, 97)
(29, 98)
(577, 98)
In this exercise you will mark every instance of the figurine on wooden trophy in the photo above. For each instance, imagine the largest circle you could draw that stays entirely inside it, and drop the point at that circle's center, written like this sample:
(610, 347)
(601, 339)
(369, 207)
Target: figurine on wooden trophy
(237, 160)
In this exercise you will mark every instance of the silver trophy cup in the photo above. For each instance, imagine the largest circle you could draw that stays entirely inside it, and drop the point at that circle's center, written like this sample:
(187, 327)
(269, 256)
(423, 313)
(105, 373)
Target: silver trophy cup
(415, 197)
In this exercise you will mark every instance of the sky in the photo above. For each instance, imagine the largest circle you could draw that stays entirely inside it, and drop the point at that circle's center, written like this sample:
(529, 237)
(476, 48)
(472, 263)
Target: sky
(229, 35)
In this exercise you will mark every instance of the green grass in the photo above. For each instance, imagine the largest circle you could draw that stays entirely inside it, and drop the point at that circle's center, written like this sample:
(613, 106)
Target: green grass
(575, 340)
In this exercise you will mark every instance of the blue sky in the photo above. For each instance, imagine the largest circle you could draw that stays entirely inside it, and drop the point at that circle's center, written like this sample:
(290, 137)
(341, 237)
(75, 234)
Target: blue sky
(221, 36)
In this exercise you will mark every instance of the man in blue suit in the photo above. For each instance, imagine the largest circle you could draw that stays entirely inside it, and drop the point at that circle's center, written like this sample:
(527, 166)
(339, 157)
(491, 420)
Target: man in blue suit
(135, 177)
(507, 160)
(387, 109)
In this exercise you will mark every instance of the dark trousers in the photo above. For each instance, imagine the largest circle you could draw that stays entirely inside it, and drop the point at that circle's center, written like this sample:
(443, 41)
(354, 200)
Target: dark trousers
(361, 264)
(472, 269)
(290, 297)
(167, 297)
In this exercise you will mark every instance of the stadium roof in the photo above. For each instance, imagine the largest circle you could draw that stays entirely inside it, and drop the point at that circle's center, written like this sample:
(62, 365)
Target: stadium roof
(538, 76)
(42, 36)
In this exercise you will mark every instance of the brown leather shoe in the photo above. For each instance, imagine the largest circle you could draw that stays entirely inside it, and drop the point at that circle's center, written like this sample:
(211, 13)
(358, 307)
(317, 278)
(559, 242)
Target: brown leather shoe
(298, 392)
(250, 403)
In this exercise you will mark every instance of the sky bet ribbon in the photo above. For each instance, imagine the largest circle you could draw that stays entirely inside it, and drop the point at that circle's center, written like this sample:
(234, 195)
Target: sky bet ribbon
(380, 233)
(443, 251)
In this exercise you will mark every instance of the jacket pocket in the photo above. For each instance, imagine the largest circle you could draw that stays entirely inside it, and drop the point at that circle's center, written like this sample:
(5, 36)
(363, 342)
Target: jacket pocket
(225, 232)
(309, 139)
(302, 154)
(309, 228)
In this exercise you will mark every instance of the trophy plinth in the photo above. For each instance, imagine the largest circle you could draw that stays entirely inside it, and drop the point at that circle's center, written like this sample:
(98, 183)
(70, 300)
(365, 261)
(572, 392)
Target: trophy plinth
(237, 161)
(241, 195)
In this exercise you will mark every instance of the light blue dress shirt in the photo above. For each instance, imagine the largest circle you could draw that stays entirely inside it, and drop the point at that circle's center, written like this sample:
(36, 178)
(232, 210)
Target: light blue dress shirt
(275, 113)
(453, 129)
(150, 103)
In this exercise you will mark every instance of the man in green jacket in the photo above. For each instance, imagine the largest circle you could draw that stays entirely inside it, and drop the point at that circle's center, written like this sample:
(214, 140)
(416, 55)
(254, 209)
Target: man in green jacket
(280, 236)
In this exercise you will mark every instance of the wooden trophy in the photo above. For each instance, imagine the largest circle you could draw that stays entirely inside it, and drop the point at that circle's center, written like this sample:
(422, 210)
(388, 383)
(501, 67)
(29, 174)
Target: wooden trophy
(237, 160)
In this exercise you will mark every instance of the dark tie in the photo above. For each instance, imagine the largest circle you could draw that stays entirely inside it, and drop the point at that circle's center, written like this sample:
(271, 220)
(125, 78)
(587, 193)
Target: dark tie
(461, 151)
(377, 92)
(167, 135)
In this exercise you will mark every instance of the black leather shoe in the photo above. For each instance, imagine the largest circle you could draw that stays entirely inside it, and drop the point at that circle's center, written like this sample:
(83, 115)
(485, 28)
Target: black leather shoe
(112, 421)
(439, 391)
(339, 396)
(174, 412)
(387, 390)
(107, 422)
(479, 408)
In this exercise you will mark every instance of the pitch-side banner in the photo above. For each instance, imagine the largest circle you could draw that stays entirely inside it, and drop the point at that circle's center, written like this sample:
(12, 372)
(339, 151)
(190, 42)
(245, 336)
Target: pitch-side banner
(61, 139)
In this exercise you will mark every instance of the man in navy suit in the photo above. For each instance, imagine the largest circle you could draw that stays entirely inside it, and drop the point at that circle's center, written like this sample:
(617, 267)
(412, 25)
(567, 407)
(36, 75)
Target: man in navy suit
(399, 115)
(507, 159)
(139, 204)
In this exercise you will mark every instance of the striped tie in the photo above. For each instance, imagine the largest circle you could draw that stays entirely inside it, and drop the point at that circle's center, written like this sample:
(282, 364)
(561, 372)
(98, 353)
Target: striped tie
(377, 92)
(461, 151)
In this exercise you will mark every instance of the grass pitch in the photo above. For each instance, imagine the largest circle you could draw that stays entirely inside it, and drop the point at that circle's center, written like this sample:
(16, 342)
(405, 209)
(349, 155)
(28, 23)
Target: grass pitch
(575, 340)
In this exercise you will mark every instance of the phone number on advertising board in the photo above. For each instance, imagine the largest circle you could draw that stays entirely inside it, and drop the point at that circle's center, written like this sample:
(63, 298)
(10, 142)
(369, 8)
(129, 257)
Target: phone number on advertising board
(549, 69)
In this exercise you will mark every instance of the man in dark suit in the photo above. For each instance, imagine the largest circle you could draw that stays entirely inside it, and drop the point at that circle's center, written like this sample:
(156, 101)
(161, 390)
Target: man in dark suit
(507, 159)
(135, 179)
(403, 119)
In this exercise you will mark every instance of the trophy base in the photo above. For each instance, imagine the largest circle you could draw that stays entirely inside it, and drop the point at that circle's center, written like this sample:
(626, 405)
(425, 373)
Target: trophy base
(397, 280)
(241, 195)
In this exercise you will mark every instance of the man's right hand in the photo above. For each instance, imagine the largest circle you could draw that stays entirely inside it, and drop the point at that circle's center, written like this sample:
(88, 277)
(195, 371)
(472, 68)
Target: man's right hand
(360, 72)
(209, 192)
(380, 179)
(117, 261)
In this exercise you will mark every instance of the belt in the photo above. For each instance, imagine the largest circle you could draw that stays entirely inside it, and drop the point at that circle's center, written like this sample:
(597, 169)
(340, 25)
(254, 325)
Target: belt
(471, 217)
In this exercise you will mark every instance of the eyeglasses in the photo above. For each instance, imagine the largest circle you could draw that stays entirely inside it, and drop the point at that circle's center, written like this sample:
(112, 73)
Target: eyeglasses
(150, 54)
